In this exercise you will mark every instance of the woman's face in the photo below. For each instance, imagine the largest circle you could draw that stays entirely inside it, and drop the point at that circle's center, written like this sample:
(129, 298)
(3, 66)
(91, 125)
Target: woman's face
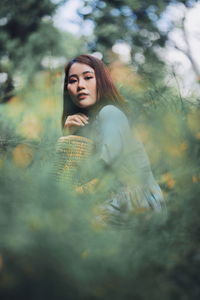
(81, 85)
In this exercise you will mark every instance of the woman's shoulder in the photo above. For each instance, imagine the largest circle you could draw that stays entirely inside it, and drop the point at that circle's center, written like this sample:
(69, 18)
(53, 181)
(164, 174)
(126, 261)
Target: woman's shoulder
(111, 110)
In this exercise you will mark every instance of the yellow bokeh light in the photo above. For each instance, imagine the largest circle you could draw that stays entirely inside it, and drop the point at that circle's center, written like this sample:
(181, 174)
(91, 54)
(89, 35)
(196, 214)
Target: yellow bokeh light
(22, 155)
(30, 127)
(168, 179)
(198, 136)
(176, 149)
(15, 107)
(124, 75)
(142, 133)
(48, 107)
(85, 254)
(195, 179)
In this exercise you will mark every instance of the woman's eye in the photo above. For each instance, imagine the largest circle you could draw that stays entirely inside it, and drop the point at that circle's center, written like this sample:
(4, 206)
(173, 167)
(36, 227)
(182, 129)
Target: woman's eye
(72, 80)
(88, 77)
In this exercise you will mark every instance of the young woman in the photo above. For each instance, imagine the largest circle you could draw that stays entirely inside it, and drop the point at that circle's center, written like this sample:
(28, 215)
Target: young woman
(94, 109)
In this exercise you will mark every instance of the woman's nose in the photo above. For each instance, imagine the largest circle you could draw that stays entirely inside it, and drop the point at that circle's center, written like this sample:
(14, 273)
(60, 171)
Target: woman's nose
(81, 84)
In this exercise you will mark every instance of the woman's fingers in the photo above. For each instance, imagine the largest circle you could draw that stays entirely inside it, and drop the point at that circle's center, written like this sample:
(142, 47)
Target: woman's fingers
(82, 115)
(82, 119)
(73, 122)
(76, 120)
(79, 120)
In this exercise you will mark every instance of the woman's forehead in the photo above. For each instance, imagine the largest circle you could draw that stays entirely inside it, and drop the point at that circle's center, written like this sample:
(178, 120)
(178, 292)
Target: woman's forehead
(79, 69)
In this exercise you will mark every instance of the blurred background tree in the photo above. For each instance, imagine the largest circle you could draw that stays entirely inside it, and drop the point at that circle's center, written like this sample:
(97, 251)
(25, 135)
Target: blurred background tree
(134, 23)
(26, 36)
(28, 39)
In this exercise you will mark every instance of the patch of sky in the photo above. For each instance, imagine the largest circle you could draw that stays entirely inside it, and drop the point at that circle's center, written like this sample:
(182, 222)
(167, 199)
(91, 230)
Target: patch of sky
(53, 62)
(46, 19)
(153, 36)
(126, 11)
(3, 77)
(191, 3)
(139, 58)
(97, 54)
(130, 23)
(151, 12)
(188, 3)
(101, 4)
(56, 1)
(87, 28)
(85, 10)
(3, 21)
(173, 13)
(123, 49)
(115, 12)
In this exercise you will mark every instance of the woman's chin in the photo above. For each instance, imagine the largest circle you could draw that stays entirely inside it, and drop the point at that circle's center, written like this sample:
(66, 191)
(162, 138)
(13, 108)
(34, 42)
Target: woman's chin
(85, 104)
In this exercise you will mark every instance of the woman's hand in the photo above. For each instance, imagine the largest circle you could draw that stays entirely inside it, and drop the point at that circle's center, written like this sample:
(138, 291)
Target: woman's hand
(74, 121)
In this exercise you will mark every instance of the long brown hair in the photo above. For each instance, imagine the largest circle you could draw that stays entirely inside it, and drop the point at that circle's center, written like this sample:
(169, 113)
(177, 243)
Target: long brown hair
(106, 90)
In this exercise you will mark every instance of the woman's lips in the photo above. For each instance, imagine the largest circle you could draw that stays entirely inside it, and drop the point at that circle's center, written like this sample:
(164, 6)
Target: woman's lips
(82, 96)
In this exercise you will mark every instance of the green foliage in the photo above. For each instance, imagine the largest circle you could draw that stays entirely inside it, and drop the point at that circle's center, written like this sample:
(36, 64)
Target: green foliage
(71, 45)
(27, 35)
(51, 246)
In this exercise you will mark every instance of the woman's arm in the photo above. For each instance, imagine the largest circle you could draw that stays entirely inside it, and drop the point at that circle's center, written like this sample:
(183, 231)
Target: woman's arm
(113, 126)
(114, 133)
